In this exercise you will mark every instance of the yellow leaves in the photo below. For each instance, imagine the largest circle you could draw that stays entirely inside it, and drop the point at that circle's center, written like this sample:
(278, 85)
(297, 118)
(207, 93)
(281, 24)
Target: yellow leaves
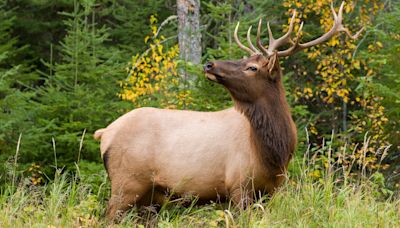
(35, 174)
(370, 72)
(154, 30)
(146, 39)
(395, 36)
(333, 42)
(333, 77)
(315, 174)
(160, 49)
(329, 100)
(153, 19)
(342, 92)
(313, 130)
(356, 64)
(287, 4)
(307, 90)
(348, 8)
(336, 67)
(153, 75)
(374, 123)
(314, 54)
(375, 47)
(307, 93)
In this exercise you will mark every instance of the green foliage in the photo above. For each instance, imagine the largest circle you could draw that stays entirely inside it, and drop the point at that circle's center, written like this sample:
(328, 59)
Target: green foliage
(77, 97)
(383, 58)
(61, 202)
(15, 87)
(129, 20)
(94, 175)
(126, 18)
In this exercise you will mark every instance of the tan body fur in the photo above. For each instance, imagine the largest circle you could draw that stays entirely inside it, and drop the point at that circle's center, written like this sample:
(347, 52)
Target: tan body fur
(207, 154)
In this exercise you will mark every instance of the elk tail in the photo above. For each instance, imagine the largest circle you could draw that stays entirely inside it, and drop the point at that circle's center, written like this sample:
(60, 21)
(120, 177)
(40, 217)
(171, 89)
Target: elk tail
(97, 135)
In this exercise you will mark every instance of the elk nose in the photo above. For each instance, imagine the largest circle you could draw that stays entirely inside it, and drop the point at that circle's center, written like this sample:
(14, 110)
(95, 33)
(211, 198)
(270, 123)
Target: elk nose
(208, 66)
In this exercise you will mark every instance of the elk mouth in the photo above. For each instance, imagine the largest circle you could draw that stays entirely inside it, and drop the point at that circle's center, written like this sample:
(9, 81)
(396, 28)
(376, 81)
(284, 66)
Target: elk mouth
(213, 77)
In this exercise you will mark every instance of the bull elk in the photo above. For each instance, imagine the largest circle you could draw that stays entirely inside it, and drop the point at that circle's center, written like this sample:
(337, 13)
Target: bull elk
(226, 154)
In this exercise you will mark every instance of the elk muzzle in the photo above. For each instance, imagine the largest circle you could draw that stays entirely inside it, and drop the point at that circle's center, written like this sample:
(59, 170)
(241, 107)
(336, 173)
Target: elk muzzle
(211, 72)
(208, 69)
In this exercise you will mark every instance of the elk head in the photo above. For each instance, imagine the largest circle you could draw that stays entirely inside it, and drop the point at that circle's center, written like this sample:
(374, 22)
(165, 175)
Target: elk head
(248, 79)
(256, 72)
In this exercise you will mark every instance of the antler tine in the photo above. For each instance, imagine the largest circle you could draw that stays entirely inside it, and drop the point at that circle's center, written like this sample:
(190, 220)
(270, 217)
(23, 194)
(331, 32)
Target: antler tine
(355, 36)
(241, 46)
(340, 14)
(270, 36)
(333, 12)
(296, 42)
(249, 41)
(299, 33)
(274, 44)
(259, 44)
(337, 27)
(341, 28)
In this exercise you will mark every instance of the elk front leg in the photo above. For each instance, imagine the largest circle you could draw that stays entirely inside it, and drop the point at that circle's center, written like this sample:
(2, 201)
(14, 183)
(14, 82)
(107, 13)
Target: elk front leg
(242, 195)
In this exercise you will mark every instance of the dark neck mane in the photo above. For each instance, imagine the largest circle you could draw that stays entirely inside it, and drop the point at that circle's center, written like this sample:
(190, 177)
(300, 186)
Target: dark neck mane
(272, 129)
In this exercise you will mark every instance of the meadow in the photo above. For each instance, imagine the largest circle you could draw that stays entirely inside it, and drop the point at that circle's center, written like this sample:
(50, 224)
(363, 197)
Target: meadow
(334, 199)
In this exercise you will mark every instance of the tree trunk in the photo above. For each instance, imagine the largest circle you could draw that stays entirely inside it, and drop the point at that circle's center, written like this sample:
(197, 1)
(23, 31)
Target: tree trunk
(189, 30)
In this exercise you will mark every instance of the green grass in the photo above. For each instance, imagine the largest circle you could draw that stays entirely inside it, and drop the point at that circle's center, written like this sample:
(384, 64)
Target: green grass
(332, 198)
(300, 202)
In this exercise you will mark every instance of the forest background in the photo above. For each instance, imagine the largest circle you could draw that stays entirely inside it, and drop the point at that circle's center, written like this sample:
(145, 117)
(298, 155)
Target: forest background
(68, 68)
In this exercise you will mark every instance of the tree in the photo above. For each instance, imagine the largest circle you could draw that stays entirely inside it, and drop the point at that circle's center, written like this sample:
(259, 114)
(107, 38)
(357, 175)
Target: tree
(126, 24)
(15, 88)
(189, 30)
(78, 95)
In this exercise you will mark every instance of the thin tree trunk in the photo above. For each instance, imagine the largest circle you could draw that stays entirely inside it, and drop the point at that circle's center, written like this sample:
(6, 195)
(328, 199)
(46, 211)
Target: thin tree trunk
(189, 30)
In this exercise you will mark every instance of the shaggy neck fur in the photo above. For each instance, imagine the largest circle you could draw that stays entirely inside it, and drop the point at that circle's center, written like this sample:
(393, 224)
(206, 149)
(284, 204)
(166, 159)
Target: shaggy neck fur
(273, 131)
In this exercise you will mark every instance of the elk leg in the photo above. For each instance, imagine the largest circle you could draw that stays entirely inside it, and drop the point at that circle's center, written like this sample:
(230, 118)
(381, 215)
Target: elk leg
(123, 197)
(154, 197)
(242, 196)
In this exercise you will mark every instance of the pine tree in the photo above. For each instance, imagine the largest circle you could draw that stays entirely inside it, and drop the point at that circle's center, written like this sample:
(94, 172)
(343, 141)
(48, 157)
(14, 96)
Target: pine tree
(79, 94)
(15, 88)
(127, 19)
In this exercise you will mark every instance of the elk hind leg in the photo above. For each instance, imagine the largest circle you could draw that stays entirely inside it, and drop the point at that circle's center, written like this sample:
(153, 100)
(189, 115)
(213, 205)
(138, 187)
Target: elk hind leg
(123, 197)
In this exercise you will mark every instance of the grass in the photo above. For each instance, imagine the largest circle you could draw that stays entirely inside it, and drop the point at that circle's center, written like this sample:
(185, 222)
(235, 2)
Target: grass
(331, 200)
(299, 203)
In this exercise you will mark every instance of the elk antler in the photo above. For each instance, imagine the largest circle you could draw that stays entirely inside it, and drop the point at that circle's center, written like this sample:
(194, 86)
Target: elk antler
(274, 44)
(241, 46)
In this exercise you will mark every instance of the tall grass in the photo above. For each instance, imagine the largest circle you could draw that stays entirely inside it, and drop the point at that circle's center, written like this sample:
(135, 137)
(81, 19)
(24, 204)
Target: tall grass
(332, 200)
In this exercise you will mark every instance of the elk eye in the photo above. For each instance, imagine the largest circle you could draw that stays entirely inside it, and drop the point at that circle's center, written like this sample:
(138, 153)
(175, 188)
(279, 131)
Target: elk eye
(252, 68)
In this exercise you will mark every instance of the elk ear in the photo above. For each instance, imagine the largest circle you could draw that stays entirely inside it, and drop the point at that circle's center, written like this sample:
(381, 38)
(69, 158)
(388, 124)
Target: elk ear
(273, 66)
